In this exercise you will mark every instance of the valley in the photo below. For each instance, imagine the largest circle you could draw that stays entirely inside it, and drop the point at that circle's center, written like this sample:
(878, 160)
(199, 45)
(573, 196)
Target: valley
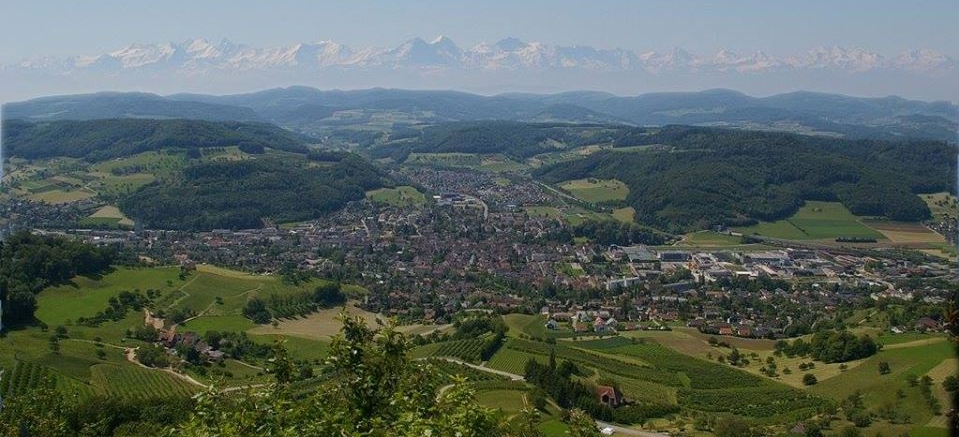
(668, 265)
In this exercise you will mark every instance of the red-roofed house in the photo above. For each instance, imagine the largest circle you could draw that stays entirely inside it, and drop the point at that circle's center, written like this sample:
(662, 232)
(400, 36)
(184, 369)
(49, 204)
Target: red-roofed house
(609, 396)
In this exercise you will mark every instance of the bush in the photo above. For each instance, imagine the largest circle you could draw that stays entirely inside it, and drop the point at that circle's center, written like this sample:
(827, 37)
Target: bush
(809, 379)
(950, 383)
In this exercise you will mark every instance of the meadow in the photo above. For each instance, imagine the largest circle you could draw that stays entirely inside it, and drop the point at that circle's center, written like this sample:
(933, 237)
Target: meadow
(402, 196)
(596, 190)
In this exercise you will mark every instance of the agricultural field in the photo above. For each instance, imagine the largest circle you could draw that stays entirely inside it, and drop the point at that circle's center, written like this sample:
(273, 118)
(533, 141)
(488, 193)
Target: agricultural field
(61, 195)
(513, 361)
(402, 196)
(815, 221)
(651, 372)
(131, 382)
(108, 215)
(596, 190)
(91, 360)
(320, 325)
(900, 232)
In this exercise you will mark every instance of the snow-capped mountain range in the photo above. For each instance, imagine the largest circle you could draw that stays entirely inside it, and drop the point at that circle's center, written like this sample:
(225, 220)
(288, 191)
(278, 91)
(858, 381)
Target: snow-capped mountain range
(200, 56)
(508, 65)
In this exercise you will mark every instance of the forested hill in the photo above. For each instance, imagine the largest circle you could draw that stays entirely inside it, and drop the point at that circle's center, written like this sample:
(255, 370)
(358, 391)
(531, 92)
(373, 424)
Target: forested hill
(708, 176)
(251, 193)
(98, 140)
(514, 139)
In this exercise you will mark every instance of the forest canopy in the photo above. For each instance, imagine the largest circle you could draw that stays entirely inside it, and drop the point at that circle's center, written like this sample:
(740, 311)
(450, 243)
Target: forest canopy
(696, 177)
(245, 194)
(99, 140)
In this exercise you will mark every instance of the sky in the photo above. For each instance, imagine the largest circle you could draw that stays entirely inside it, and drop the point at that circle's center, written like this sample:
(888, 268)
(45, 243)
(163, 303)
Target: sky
(33, 29)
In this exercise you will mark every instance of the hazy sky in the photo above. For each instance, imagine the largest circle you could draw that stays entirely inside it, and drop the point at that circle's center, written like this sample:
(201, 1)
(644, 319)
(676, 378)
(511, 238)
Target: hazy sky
(36, 28)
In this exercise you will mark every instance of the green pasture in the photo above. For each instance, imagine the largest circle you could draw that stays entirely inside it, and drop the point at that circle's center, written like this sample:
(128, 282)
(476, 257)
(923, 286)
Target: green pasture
(710, 238)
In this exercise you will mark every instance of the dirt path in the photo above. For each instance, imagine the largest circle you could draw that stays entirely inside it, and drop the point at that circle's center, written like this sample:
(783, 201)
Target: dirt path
(512, 376)
(131, 356)
(148, 319)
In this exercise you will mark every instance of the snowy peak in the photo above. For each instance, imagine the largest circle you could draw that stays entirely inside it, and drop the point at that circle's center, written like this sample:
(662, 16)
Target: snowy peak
(442, 51)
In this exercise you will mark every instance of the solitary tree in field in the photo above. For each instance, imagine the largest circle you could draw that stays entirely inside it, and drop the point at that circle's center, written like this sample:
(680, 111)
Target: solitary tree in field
(809, 379)
(884, 368)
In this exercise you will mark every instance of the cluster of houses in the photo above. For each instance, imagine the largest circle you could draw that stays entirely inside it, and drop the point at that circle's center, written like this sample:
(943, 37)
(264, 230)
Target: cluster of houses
(173, 340)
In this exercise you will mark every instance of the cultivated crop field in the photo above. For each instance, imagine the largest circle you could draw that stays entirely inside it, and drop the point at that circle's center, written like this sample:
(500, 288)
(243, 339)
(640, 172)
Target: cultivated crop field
(815, 221)
(320, 325)
(129, 382)
(899, 232)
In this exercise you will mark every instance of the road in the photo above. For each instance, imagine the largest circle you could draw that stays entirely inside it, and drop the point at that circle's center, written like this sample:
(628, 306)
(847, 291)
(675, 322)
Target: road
(617, 430)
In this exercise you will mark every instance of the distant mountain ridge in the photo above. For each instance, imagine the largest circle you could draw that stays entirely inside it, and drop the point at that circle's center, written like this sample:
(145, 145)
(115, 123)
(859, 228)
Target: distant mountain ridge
(309, 110)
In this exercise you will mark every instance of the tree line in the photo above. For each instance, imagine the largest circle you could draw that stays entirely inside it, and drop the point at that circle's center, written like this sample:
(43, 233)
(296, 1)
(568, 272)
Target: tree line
(830, 347)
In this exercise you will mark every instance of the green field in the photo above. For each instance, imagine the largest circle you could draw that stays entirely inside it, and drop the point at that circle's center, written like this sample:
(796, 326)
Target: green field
(815, 221)
(108, 215)
(709, 238)
(402, 196)
(510, 401)
(86, 296)
(596, 190)
(57, 196)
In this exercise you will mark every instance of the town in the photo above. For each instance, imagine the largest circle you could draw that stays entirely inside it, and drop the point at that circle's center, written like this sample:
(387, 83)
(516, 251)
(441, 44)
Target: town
(477, 245)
